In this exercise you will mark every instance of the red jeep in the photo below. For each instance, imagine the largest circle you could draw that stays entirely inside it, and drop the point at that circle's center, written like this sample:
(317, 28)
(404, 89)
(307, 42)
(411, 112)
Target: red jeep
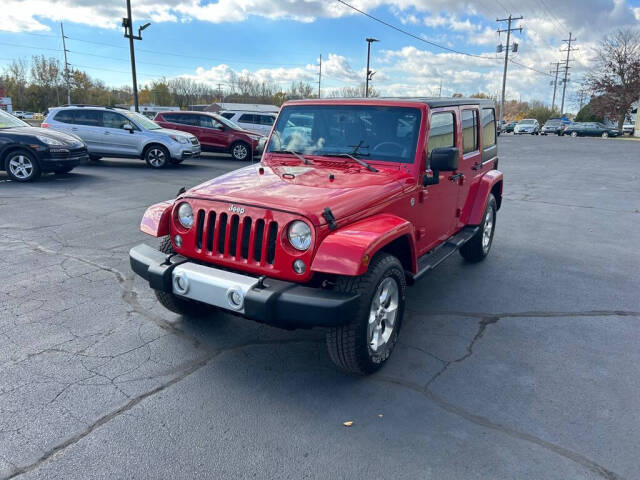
(353, 201)
(215, 133)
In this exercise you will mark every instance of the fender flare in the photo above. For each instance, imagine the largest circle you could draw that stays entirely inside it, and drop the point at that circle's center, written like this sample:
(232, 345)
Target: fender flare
(347, 251)
(156, 220)
(476, 203)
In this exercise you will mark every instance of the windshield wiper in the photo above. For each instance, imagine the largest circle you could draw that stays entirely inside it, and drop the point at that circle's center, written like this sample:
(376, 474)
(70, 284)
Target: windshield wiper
(306, 161)
(348, 155)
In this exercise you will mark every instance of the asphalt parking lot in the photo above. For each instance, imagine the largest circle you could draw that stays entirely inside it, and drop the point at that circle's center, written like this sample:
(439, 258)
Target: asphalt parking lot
(523, 366)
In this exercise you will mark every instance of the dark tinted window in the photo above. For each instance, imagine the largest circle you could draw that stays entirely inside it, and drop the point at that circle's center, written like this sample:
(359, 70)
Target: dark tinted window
(248, 118)
(113, 120)
(227, 115)
(488, 127)
(266, 119)
(89, 118)
(64, 116)
(441, 131)
(469, 131)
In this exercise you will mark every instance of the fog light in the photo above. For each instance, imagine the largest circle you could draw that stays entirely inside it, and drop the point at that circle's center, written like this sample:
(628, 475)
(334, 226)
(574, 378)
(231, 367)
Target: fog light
(236, 298)
(177, 240)
(180, 284)
(299, 267)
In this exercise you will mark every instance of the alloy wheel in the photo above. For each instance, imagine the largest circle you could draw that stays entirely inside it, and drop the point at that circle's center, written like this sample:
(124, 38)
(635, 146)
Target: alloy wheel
(240, 151)
(487, 230)
(383, 314)
(21, 167)
(156, 157)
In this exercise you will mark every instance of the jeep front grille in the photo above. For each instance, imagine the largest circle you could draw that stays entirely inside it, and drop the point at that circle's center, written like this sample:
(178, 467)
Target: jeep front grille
(230, 235)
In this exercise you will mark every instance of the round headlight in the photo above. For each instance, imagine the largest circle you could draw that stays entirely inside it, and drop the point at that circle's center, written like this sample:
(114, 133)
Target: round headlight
(299, 235)
(185, 215)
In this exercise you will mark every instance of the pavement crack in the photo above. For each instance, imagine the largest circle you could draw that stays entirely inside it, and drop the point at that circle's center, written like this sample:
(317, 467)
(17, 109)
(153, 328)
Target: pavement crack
(505, 429)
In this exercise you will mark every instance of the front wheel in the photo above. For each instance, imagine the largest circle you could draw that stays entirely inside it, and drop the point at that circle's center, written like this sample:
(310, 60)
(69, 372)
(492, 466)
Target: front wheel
(366, 343)
(240, 151)
(574, 134)
(157, 156)
(22, 166)
(179, 305)
(477, 248)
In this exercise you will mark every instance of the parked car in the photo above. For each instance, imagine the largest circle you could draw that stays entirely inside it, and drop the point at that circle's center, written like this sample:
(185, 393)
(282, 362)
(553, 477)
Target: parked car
(26, 151)
(629, 128)
(529, 126)
(114, 132)
(258, 122)
(215, 133)
(24, 115)
(509, 127)
(591, 129)
(328, 230)
(553, 126)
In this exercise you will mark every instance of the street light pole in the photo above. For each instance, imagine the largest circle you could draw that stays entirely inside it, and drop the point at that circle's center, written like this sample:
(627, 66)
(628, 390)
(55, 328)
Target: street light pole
(127, 23)
(369, 72)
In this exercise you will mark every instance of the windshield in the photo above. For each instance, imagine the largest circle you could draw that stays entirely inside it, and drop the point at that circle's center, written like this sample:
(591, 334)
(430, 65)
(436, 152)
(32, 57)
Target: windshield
(9, 121)
(555, 121)
(526, 122)
(142, 121)
(227, 122)
(373, 132)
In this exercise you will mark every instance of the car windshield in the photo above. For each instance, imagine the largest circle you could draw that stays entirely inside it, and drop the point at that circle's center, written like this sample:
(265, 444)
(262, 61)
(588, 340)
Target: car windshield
(526, 122)
(374, 132)
(227, 122)
(142, 121)
(9, 121)
(554, 122)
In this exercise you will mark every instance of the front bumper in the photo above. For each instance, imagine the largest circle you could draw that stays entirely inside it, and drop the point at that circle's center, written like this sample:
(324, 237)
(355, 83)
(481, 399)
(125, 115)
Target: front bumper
(53, 159)
(267, 300)
(182, 151)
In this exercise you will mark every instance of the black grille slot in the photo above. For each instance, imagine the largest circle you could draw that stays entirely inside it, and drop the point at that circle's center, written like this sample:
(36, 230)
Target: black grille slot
(211, 226)
(222, 231)
(199, 229)
(233, 235)
(258, 240)
(271, 242)
(246, 234)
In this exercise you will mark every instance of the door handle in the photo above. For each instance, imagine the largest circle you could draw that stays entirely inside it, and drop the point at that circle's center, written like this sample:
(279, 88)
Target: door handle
(476, 166)
(457, 176)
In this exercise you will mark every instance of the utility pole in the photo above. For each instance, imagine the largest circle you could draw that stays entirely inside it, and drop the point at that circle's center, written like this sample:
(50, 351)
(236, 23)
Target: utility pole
(320, 77)
(636, 130)
(566, 68)
(555, 84)
(66, 65)
(127, 23)
(506, 55)
(369, 72)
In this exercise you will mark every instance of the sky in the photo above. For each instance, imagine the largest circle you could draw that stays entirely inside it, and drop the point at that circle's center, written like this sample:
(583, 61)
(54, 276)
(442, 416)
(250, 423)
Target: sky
(282, 40)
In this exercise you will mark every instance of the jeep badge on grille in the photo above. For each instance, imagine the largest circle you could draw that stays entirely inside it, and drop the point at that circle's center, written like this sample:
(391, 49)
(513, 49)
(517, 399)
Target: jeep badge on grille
(235, 209)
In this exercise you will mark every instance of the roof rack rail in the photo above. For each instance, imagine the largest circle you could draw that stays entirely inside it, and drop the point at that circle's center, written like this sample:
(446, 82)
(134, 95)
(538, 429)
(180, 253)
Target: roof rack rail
(89, 105)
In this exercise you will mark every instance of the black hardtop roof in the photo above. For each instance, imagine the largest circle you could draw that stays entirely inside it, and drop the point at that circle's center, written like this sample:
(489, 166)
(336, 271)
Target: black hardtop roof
(433, 102)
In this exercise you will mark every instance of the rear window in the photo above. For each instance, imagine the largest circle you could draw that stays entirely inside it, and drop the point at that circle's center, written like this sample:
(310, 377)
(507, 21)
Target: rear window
(89, 118)
(469, 131)
(64, 116)
(488, 127)
(248, 118)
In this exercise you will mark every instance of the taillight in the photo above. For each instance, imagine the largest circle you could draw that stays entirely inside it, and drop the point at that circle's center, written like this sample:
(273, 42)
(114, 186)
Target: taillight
(44, 125)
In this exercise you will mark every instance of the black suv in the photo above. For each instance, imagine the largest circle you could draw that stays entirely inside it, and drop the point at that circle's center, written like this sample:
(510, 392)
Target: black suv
(26, 151)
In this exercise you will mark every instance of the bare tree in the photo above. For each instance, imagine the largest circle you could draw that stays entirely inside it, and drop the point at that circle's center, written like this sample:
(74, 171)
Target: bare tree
(615, 79)
(353, 92)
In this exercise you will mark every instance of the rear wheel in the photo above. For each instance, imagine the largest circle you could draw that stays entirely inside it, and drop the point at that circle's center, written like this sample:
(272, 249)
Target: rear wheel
(365, 344)
(605, 135)
(477, 248)
(22, 166)
(181, 306)
(157, 156)
(574, 134)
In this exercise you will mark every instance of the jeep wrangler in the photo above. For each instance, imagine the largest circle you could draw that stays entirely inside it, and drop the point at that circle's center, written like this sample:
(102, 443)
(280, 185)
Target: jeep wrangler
(352, 201)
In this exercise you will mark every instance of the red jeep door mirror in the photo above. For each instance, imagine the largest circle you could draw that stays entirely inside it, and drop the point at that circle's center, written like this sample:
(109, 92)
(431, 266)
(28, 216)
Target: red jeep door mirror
(444, 159)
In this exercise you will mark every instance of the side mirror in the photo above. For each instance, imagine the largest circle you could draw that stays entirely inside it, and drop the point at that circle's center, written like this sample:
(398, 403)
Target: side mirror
(128, 126)
(443, 159)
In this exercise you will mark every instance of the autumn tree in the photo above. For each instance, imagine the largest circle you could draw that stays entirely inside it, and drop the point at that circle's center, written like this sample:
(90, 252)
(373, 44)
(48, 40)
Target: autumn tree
(615, 78)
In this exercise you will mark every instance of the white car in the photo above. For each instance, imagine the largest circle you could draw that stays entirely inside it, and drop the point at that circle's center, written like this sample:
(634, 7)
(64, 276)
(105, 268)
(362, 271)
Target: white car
(258, 122)
(528, 126)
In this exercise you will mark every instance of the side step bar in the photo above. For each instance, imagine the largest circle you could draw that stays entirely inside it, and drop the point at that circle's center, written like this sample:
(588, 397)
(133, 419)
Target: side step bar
(435, 257)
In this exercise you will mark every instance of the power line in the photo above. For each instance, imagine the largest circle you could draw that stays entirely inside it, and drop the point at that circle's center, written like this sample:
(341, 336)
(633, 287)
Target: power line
(553, 16)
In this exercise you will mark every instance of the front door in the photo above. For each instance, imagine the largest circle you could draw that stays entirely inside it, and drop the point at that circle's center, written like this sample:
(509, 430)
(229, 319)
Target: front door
(115, 139)
(438, 203)
(213, 134)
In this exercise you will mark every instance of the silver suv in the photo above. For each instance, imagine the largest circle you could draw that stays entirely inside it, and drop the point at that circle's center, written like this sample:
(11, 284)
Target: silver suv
(115, 132)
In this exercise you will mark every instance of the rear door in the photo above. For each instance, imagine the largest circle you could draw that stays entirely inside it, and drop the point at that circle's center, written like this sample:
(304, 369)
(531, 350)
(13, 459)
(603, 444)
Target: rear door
(88, 126)
(474, 161)
(115, 139)
(249, 121)
(438, 203)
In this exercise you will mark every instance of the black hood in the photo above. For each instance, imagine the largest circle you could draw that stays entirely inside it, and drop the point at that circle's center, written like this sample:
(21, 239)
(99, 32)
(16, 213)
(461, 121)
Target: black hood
(64, 138)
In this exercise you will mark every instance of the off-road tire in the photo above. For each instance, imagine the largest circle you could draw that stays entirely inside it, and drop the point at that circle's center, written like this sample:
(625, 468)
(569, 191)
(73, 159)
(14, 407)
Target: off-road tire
(33, 174)
(236, 149)
(181, 306)
(475, 250)
(348, 344)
